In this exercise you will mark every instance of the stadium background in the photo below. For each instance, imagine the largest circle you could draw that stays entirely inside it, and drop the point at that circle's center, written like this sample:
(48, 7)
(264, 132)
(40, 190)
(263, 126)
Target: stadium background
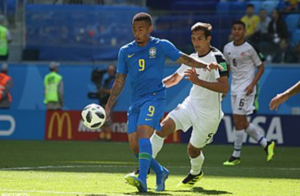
(84, 35)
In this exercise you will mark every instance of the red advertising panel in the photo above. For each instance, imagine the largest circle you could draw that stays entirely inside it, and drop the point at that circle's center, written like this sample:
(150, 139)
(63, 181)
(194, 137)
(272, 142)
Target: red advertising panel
(67, 125)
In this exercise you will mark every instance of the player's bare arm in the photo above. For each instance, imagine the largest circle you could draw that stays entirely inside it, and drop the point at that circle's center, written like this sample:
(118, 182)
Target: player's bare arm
(282, 97)
(260, 71)
(196, 63)
(221, 86)
(115, 92)
(172, 80)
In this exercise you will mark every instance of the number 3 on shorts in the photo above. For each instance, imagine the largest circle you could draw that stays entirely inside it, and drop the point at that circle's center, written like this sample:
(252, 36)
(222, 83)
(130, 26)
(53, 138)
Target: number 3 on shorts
(151, 110)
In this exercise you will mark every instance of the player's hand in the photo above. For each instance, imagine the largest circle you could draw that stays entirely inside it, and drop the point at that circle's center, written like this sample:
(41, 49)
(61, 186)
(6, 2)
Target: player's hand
(191, 75)
(107, 113)
(276, 101)
(249, 89)
(223, 96)
(215, 66)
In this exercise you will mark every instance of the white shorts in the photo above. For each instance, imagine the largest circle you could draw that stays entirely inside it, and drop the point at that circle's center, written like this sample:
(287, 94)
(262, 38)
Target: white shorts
(184, 116)
(242, 104)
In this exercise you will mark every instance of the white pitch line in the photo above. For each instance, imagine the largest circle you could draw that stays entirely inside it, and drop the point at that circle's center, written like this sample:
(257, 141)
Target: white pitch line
(56, 192)
(123, 166)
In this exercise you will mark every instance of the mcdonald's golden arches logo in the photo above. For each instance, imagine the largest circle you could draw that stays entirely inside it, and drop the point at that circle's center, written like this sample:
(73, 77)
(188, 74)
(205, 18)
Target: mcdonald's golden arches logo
(61, 118)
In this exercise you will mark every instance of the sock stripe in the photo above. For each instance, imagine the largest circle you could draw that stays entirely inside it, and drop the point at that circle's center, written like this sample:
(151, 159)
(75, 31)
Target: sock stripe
(237, 149)
(260, 139)
(144, 155)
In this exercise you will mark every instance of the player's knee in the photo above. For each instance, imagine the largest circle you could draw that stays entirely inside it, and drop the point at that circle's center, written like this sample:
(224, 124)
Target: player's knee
(168, 127)
(239, 123)
(144, 131)
(193, 152)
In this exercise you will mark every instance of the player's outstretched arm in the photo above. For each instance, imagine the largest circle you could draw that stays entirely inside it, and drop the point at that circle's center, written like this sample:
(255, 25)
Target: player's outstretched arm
(115, 92)
(172, 79)
(282, 97)
(196, 63)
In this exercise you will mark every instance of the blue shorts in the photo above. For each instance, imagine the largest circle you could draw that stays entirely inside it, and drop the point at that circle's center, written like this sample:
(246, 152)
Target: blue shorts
(148, 113)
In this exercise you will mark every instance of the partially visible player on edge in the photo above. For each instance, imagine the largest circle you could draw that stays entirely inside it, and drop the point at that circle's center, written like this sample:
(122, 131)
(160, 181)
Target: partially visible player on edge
(143, 61)
(282, 97)
(202, 108)
(243, 58)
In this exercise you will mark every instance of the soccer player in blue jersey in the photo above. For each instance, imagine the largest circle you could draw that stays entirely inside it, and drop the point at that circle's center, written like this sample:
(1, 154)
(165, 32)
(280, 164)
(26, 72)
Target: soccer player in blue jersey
(143, 61)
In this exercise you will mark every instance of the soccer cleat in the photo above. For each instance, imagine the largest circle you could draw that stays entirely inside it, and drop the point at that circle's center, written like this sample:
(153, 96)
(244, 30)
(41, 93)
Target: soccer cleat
(270, 150)
(136, 173)
(232, 161)
(138, 183)
(161, 179)
(190, 180)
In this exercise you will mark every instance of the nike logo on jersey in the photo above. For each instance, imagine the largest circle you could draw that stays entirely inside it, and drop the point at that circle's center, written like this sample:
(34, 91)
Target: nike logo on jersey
(129, 56)
(147, 119)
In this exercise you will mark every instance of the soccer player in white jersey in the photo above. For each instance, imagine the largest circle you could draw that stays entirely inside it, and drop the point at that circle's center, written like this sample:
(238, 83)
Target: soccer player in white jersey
(202, 108)
(243, 59)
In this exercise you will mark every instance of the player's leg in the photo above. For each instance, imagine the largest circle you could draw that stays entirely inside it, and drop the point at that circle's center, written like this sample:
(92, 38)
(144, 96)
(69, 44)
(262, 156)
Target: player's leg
(146, 161)
(196, 173)
(141, 147)
(149, 118)
(253, 132)
(240, 122)
(202, 135)
(145, 150)
(158, 137)
(268, 146)
(133, 115)
(178, 119)
(242, 106)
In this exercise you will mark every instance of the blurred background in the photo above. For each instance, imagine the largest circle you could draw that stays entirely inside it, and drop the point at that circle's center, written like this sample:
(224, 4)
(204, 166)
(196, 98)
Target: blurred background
(84, 37)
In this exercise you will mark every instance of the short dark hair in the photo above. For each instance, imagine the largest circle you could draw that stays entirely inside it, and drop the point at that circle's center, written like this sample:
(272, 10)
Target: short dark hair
(239, 22)
(206, 27)
(250, 5)
(142, 16)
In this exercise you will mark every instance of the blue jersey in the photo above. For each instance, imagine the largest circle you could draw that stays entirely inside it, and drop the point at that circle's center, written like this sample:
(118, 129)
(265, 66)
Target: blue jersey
(144, 66)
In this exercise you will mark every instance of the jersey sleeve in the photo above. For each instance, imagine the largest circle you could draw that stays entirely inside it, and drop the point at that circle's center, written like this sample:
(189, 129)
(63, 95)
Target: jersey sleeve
(257, 56)
(122, 68)
(221, 61)
(226, 56)
(170, 50)
(182, 69)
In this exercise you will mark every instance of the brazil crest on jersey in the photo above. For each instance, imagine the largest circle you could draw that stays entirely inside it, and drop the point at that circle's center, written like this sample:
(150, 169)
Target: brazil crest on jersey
(144, 66)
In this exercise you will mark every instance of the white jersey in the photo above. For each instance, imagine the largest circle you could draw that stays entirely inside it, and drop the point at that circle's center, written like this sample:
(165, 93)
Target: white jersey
(243, 60)
(205, 101)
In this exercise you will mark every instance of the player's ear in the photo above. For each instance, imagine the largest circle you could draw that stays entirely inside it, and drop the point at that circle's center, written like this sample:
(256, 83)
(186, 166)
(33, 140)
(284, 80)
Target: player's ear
(150, 29)
(209, 38)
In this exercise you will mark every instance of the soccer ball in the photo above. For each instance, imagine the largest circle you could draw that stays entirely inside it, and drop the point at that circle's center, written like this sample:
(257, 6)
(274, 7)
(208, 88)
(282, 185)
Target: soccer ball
(93, 116)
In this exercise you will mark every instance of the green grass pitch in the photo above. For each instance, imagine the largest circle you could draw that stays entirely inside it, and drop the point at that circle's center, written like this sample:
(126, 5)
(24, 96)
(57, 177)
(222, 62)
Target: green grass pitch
(97, 169)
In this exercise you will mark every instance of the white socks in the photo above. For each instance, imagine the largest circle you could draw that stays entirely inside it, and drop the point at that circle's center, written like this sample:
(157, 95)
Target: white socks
(196, 164)
(256, 135)
(157, 144)
(238, 142)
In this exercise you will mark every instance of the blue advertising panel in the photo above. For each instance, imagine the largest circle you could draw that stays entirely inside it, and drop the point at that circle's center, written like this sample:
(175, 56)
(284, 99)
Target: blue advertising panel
(28, 87)
(282, 129)
(22, 124)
